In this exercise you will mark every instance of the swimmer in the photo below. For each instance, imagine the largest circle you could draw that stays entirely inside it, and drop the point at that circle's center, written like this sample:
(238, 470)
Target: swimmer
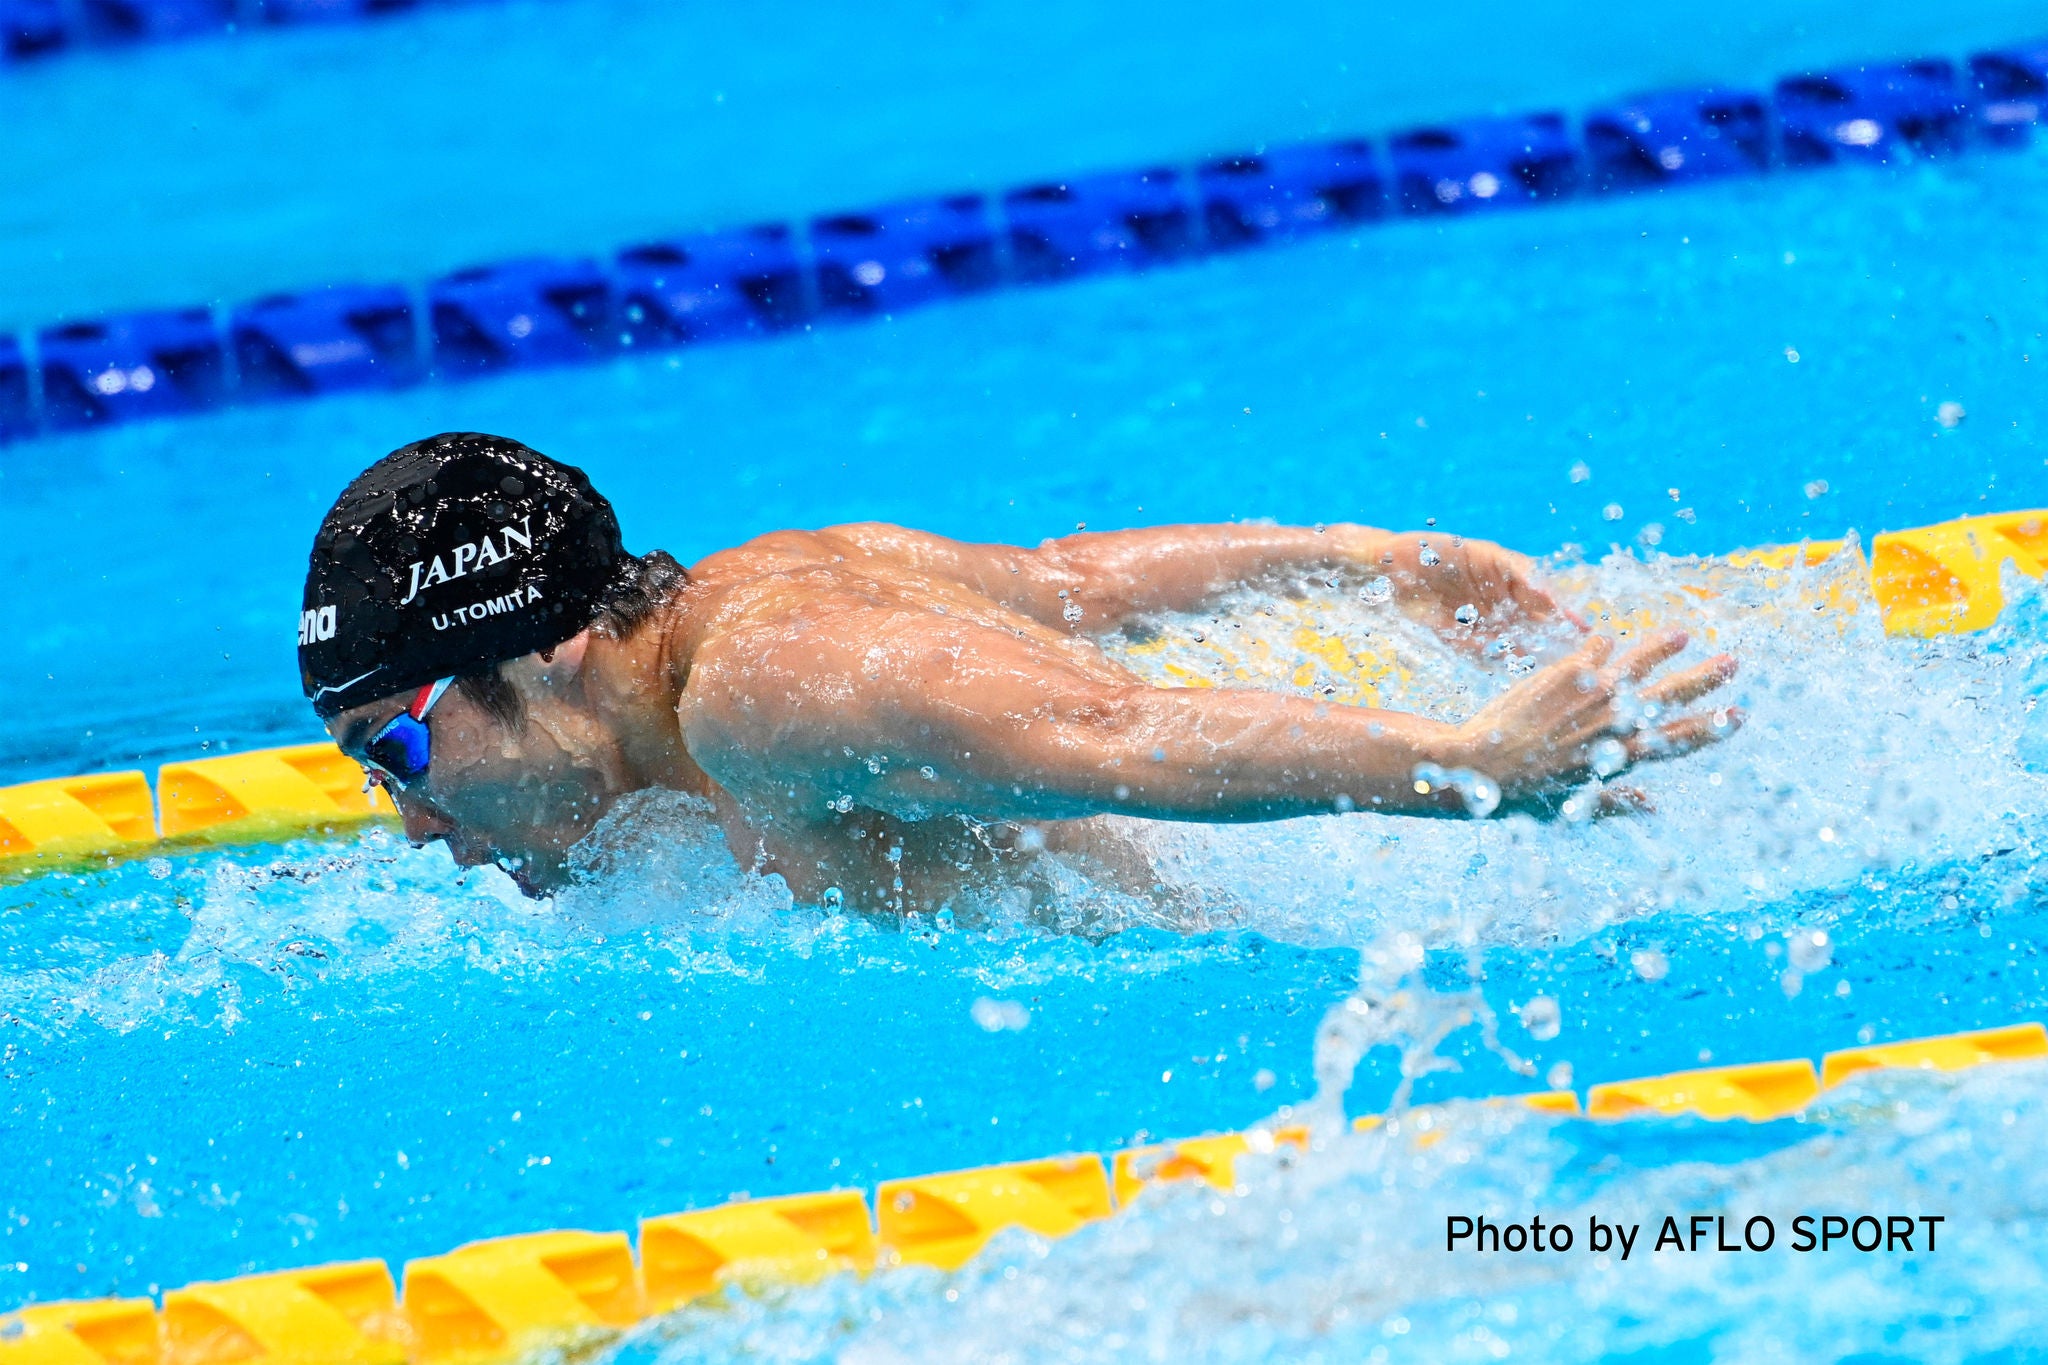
(881, 716)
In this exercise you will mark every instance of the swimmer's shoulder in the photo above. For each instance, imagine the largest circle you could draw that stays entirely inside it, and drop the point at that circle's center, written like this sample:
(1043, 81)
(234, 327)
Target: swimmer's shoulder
(782, 576)
(771, 546)
(860, 549)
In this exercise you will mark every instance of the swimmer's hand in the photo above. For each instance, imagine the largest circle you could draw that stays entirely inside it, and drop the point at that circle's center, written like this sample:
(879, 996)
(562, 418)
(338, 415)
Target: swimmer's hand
(1594, 714)
(1472, 592)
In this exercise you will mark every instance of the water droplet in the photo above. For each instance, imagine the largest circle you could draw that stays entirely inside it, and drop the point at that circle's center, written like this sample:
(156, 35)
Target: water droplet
(1650, 963)
(1481, 794)
(1612, 511)
(1263, 1080)
(834, 898)
(1072, 611)
(1580, 472)
(1809, 949)
(1541, 1017)
(1950, 414)
(1609, 756)
(1000, 1016)
(1376, 590)
(1428, 558)
(1466, 614)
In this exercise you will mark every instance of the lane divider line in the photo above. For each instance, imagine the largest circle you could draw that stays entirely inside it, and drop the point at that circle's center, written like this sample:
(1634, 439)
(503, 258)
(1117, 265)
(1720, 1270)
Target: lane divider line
(498, 1299)
(341, 1314)
(37, 30)
(790, 1239)
(850, 265)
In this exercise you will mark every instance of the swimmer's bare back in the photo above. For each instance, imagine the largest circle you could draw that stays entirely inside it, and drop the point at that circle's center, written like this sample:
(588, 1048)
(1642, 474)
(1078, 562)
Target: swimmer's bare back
(882, 712)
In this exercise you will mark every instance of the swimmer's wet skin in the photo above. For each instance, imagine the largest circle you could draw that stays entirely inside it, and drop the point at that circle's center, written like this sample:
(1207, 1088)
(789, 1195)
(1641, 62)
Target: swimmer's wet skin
(887, 716)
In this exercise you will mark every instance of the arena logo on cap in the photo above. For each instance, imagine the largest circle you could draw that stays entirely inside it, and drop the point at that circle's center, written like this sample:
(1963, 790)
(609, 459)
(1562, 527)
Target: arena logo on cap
(316, 624)
(477, 554)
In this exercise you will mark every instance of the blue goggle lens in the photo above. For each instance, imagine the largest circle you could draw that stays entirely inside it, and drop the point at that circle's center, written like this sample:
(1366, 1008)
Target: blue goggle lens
(402, 748)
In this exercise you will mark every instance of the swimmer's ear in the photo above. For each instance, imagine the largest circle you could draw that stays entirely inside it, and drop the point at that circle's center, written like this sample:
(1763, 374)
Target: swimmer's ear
(562, 664)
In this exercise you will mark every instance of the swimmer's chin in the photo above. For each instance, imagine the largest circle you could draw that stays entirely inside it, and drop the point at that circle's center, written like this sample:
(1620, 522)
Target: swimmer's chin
(537, 878)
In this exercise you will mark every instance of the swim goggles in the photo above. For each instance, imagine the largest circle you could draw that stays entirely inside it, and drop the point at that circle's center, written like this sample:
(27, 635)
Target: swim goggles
(399, 753)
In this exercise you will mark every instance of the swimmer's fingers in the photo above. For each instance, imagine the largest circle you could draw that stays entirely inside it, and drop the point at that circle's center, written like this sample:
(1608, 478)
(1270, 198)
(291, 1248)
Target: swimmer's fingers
(1689, 684)
(1533, 603)
(1623, 801)
(1588, 658)
(1675, 738)
(1515, 586)
(1657, 648)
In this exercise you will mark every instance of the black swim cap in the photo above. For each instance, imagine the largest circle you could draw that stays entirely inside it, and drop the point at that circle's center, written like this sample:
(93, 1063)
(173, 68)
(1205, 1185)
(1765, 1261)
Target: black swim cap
(445, 557)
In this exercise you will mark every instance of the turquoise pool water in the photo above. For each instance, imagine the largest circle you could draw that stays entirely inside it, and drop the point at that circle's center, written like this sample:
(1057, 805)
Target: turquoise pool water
(175, 173)
(256, 1058)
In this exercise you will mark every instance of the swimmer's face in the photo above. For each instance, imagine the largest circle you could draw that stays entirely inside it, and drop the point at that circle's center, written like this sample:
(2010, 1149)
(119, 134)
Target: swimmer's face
(515, 795)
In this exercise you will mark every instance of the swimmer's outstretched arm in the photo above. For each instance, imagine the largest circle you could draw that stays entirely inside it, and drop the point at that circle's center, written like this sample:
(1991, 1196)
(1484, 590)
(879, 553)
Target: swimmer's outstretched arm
(1117, 577)
(920, 716)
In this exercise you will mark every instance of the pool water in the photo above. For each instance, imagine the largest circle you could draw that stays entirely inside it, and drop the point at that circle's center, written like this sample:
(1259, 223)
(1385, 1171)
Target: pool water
(181, 172)
(253, 1058)
(1340, 1257)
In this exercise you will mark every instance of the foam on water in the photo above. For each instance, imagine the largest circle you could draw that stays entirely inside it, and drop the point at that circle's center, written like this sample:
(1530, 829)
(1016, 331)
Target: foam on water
(1340, 1254)
(1861, 753)
(1820, 794)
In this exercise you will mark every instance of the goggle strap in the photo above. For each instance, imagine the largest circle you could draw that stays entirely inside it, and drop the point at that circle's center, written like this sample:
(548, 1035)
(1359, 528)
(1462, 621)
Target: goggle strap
(427, 696)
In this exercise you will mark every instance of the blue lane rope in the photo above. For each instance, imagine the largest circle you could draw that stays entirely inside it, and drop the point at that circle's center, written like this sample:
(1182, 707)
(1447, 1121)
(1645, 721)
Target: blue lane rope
(36, 30)
(767, 278)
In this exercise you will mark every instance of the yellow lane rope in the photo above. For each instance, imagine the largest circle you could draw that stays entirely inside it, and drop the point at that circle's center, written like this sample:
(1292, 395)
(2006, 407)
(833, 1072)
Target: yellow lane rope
(499, 1299)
